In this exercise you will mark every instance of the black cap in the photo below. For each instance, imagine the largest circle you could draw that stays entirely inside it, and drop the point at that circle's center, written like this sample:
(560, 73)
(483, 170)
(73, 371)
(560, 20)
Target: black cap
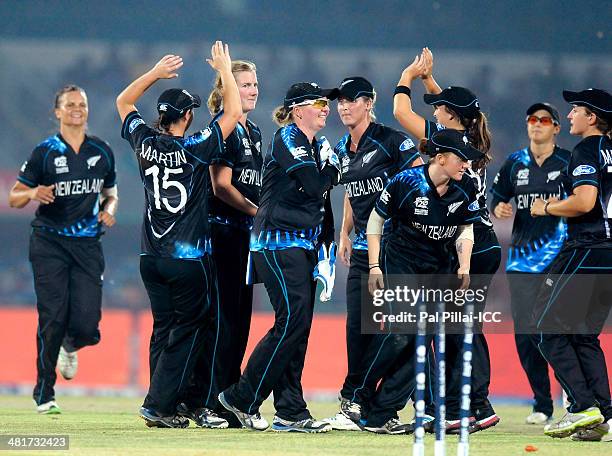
(550, 109)
(597, 100)
(455, 141)
(174, 102)
(303, 91)
(459, 99)
(355, 87)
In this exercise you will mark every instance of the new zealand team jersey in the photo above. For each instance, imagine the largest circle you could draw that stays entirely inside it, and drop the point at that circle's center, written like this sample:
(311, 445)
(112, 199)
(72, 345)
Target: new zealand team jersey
(78, 178)
(591, 164)
(536, 241)
(174, 172)
(424, 224)
(287, 216)
(243, 154)
(381, 153)
(480, 182)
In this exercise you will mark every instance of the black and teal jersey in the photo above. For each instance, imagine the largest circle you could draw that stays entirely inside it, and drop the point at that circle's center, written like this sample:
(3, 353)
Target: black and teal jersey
(381, 153)
(174, 173)
(591, 164)
(536, 241)
(424, 224)
(288, 216)
(480, 182)
(242, 154)
(78, 178)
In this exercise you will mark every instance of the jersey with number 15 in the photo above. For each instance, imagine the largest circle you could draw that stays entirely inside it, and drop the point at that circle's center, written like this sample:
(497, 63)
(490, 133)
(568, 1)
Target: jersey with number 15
(174, 172)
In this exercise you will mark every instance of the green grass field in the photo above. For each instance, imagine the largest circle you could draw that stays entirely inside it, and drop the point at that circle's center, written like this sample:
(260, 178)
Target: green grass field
(111, 426)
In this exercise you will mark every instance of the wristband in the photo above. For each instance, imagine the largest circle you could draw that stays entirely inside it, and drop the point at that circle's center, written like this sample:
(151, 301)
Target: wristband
(402, 89)
(546, 207)
(372, 266)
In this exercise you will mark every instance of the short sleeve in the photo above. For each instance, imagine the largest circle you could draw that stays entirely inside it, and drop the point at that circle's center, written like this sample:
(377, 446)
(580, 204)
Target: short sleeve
(431, 128)
(31, 172)
(206, 145)
(292, 151)
(230, 153)
(502, 188)
(387, 199)
(135, 130)
(110, 180)
(584, 166)
(471, 211)
(403, 150)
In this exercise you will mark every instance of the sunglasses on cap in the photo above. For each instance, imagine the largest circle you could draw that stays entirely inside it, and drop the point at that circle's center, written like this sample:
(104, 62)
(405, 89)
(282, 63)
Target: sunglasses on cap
(545, 121)
(319, 103)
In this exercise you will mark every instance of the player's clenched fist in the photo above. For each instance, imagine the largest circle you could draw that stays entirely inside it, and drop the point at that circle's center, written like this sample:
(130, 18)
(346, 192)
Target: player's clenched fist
(503, 210)
(106, 218)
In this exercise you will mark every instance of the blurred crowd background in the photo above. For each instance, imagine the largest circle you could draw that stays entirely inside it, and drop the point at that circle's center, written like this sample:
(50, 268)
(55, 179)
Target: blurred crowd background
(511, 54)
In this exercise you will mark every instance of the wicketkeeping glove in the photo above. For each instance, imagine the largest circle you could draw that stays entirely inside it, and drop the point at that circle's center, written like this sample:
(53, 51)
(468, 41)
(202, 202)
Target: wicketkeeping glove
(329, 156)
(325, 270)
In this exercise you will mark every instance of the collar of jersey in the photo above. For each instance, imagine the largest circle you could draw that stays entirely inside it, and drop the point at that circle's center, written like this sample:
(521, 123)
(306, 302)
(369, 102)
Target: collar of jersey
(362, 140)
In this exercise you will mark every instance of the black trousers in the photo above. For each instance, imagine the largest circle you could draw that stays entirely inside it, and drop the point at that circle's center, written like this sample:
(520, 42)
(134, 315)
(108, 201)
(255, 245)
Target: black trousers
(68, 284)
(483, 266)
(277, 362)
(230, 247)
(577, 302)
(366, 371)
(524, 290)
(183, 316)
(356, 342)
(389, 360)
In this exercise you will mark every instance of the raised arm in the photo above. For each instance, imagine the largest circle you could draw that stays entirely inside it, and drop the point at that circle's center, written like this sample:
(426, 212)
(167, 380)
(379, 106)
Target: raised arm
(413, 123)
(164, 69)
(221, 62)
(431, 86)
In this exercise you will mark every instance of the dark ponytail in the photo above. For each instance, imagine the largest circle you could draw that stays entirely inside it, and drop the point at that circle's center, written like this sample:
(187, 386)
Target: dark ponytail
(477, 130)
(604, 126)
(165, 121)
(425, 149)
(282, 116)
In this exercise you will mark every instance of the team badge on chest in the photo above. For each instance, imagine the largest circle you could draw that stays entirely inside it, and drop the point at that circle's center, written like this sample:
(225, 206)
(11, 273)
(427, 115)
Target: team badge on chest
(553, 176)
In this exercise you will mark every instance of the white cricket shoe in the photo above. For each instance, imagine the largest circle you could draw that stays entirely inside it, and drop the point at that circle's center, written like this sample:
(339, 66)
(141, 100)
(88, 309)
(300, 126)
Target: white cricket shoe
(341, 422)
(67, 363)
(49, 408)
(538, 418)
